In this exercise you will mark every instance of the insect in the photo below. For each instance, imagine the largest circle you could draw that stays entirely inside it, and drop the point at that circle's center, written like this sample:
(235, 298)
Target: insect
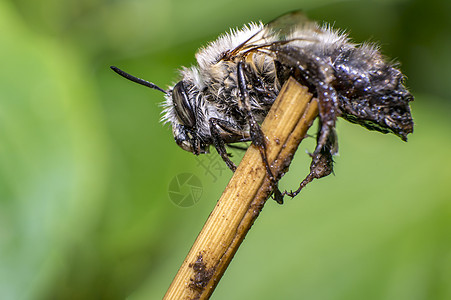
(225, 97)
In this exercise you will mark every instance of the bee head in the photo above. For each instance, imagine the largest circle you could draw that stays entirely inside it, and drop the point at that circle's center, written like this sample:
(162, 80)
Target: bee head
(180, 112)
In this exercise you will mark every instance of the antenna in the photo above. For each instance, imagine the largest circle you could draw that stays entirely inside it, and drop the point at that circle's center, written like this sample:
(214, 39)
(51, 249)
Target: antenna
(137, 80)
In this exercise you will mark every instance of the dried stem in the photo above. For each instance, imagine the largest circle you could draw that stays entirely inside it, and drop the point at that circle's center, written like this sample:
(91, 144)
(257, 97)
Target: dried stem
(285, 126)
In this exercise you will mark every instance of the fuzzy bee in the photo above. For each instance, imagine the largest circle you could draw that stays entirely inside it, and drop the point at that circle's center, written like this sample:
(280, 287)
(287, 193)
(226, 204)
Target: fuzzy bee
(223, 99)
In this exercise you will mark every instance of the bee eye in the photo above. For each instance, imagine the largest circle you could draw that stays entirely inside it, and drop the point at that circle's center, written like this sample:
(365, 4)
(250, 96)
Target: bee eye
(182, 106)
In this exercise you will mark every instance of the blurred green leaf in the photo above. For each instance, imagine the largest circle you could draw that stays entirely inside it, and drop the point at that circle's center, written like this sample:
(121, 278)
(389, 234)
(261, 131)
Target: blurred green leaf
(53, 158)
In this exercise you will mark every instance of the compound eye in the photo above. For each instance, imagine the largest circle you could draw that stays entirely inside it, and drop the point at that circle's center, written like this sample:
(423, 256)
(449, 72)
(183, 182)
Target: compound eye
(182, 106)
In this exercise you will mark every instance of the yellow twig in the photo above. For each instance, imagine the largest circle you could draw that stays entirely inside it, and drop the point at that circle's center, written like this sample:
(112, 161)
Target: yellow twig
(244, 197)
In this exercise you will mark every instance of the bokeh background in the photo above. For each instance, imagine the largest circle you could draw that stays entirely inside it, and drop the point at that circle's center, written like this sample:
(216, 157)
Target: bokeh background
(85, 165)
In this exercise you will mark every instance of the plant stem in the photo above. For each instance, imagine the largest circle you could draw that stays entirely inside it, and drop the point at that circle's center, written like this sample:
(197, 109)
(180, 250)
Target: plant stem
(285, 126)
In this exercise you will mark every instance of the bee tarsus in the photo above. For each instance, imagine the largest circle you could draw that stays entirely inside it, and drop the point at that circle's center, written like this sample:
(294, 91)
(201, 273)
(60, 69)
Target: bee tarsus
(219, 128)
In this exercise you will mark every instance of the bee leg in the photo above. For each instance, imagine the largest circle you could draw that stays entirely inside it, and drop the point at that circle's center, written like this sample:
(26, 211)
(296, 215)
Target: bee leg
(237, 147)
(218, 129)
(326, 142)
(257, 136)
(321, 165)
(318, 75)
(327, 103)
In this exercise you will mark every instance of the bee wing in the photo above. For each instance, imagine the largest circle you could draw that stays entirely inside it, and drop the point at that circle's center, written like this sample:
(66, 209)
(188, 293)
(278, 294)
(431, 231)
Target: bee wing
(286, 23)
(276, 31)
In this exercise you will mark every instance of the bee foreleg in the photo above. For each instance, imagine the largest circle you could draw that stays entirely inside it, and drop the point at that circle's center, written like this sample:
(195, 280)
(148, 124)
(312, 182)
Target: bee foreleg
(223, 132)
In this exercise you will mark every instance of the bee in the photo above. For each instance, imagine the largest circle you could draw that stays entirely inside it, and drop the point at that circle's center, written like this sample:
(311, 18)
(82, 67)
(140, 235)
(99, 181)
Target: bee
(223, 99)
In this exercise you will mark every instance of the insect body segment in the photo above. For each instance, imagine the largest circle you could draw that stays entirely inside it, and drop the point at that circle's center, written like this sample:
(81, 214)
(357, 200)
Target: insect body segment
(223, 99)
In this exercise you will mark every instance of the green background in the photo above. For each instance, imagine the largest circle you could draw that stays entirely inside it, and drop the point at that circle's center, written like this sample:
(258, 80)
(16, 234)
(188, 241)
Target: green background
(85, 164)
